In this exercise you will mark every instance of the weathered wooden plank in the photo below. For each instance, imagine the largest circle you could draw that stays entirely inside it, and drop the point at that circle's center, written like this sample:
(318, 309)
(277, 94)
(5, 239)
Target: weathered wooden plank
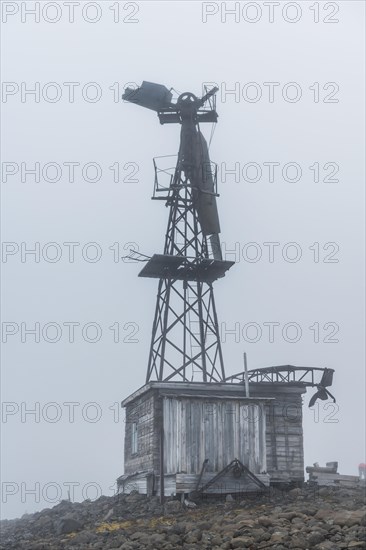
(333, 476)
(227, 484)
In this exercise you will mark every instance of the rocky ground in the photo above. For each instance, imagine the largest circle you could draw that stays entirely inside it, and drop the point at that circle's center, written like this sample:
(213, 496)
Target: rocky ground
(323, 519)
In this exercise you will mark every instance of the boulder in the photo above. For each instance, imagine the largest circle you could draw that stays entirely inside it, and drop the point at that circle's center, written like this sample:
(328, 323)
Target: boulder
(265, 521)
(349, 518)
(242, 542)
(84, 538)
(193, 536)
(298, 542)
(279, 536)
(295, 493)
(67, 525)
(315, 538)
(172, 507)
(326, 545)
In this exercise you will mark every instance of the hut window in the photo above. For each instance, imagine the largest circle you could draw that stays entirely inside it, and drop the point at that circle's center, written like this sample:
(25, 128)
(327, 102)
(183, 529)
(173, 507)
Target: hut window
(134, 438)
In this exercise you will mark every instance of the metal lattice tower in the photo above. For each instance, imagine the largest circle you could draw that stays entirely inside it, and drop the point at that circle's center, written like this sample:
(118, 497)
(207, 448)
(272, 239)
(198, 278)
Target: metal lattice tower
(185, 343)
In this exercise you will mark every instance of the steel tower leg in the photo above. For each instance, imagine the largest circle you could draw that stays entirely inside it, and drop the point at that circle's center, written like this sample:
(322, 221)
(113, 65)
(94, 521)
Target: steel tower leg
(185, 341)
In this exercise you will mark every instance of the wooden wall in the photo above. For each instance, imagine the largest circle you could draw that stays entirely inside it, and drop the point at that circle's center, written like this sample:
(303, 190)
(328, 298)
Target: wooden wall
(142, 412)
(217, 430)
(284, 433)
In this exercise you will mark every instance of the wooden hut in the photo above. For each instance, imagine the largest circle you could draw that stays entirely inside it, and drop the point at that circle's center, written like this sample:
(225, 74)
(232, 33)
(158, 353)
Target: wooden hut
(211, 437)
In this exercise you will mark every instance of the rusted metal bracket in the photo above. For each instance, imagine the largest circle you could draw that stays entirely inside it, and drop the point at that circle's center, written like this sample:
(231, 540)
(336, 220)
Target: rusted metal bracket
(289, 374)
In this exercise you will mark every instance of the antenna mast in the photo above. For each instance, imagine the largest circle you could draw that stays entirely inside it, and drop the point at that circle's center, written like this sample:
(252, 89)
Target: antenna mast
(185, 342)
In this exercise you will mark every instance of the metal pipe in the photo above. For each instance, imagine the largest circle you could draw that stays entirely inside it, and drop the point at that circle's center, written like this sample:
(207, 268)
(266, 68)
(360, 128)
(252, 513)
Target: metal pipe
(246, 378)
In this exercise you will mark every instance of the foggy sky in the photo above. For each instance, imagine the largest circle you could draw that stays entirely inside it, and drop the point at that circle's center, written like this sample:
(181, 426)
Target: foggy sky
(170, 44)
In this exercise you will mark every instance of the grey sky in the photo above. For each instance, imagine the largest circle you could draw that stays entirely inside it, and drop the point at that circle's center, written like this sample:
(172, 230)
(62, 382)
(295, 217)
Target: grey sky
(170, 44)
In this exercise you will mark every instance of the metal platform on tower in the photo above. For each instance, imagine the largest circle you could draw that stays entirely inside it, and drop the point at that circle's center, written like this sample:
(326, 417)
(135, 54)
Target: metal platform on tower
(167, 266)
